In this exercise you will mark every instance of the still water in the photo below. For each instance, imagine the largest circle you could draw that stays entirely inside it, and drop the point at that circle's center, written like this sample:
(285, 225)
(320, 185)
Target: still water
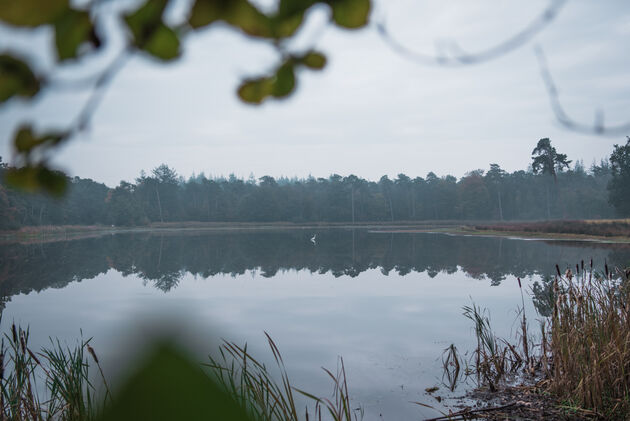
(389, 304)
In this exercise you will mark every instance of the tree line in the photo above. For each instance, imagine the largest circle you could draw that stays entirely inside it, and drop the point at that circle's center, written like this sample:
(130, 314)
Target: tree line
(551, 188)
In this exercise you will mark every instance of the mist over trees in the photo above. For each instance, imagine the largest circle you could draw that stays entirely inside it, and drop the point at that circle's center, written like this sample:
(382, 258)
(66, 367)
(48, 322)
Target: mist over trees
(549, 189)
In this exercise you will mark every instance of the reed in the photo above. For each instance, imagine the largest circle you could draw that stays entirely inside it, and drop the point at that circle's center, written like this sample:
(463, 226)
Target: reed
(583, 355)
(495, 359)
(255, 387)
(590, 339)
(54, 383)
(69, 394)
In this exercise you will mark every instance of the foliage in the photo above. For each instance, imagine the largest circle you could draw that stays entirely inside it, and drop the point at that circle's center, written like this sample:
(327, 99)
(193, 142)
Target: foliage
(545, 159)
(164, 196)
(77, 35)
(619, 185)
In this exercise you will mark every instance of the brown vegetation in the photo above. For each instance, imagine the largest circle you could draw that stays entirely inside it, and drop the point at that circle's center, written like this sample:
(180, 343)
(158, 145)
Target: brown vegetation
(597, 228)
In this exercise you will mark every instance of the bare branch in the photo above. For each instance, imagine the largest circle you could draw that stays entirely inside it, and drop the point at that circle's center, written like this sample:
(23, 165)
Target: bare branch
(450, 54)
(598, 127)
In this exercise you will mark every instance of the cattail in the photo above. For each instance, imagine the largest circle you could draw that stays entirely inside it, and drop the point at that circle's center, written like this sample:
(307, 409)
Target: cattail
(519, 281)
(33, 356)
(91, 351)
(568, 274)
(22, 342)
(14, 333)
(558, 270)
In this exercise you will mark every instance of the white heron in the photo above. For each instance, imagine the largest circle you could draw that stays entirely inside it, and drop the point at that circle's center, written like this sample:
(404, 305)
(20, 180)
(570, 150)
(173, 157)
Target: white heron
(313, 239)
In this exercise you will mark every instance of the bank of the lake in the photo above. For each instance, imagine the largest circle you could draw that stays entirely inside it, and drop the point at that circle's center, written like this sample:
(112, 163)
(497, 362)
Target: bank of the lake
(604, 230)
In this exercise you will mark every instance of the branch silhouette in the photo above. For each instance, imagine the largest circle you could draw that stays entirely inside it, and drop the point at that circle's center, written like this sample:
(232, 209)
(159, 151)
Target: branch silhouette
(597, 127)
(452, 55)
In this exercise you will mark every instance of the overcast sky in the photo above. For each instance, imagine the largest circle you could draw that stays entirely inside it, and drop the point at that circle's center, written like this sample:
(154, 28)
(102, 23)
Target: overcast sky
(371, 112)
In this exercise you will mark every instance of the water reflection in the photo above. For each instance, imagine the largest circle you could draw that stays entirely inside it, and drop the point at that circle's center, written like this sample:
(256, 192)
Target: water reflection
(162, 259)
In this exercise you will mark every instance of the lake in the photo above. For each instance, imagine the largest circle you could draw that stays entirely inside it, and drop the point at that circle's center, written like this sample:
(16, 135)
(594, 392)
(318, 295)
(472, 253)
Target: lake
(388, 303)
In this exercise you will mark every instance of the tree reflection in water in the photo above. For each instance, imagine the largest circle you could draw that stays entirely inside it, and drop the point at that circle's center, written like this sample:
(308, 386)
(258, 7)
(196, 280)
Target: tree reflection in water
(163, 258)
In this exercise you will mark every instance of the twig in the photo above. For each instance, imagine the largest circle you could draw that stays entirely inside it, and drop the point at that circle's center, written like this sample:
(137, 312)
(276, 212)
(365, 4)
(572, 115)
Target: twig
(468, 411)
(598, 127)
(455, 56)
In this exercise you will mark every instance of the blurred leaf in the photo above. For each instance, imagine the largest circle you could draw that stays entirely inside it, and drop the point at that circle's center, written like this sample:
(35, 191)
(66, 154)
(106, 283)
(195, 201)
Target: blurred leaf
(16, 78)
(171, 387)
(288, 8)
(72, 29)
(25, 140)
(238, 13)
(37, 178)
(150, 33)
(285, 27)
(280, 85)
(255, 91)
(284, 82)
(145, 20)
(314, 60)
(163, 44)
(31, 13)
(350, 14)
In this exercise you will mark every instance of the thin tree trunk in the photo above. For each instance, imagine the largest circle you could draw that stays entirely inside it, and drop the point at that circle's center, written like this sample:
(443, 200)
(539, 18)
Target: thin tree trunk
(413, 204)
(352, 200)
(391, 208)
(157, 192)
(500, 206)
(548, 209)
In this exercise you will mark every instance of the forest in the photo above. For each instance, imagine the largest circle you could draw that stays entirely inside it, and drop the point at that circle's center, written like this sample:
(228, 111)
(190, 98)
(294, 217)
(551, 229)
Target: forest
(550, 188)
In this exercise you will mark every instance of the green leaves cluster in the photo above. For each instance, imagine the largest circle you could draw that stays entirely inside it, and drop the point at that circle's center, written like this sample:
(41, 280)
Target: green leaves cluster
(282, 82)
(76, 34)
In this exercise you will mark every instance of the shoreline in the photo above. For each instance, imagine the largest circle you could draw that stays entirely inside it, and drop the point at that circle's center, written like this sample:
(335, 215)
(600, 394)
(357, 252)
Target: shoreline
(460, 228)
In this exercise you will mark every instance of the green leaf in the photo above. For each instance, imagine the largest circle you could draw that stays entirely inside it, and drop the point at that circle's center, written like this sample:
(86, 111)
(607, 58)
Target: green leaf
(313, 60)
(25, 140)
(284, 82)
(31, 13)
(37, 178)
(16, 78)
(72, 29)
(255, 91)
(238, 13)
(288, 8)
(150, 33)
(145, 20)
(163, 44)
(170, 387)
(350, 14)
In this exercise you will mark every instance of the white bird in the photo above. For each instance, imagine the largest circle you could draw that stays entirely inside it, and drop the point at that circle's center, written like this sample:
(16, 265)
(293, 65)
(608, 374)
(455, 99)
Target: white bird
(313, 239)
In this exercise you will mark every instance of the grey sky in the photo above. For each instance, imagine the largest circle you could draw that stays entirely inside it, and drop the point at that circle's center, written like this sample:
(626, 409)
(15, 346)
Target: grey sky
(370, 112)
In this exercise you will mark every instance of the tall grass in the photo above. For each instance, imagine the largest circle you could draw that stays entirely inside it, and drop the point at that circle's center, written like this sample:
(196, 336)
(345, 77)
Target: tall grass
(54, 384)
(495, 359)
(64, 372)
(253, 386)
(590, 339)
(583, 355)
